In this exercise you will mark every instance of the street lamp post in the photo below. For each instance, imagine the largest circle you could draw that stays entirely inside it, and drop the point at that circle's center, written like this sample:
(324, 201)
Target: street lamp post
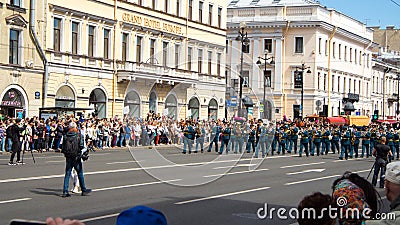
(398, 98)
(265, 59)
(302, 68)
(244, 40)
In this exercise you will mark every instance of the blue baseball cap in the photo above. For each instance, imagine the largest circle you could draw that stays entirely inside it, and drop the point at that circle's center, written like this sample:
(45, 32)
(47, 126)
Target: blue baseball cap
(141, 215)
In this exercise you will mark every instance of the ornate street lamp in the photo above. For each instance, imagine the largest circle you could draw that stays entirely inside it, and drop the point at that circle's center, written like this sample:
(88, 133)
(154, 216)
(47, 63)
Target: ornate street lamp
(265, 59)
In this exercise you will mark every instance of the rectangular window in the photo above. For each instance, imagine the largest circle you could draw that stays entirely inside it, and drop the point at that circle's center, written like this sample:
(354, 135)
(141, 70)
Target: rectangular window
(91, 41)
(299, 47)
(359, 87)
(176, 56)
(325, 82)
(338, 86)
(349, 85)
(124, 46)
(57, 35)
(268, 45)
(333, 83)
(106, 43)
(15, 3)
(366, 90)
(190, 14)
(210, 14)
(14, 47)
(334, 50)
(340, 51)
(320, 46)
(318, 81)
(354, 86)
(75, 30)
(166, 6)
(326, 47)
(245, 76)
(200, 12)
(138, 49)
(267, 75)
(351, 54)
(344, 84)
(355, 56)
(165, 53)
(209, 62)
(360, 55)
(219, 64)
(189, 62)
(152, 50)
(199, 60)
(219, 17)
(345, 53)
(178, 7)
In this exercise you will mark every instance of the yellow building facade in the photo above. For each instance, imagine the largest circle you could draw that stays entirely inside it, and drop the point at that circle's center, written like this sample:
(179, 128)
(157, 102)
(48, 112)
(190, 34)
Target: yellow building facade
(132, 57)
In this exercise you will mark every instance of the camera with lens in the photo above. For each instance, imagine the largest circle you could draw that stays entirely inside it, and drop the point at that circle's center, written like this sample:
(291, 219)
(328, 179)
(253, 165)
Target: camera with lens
(85, 155)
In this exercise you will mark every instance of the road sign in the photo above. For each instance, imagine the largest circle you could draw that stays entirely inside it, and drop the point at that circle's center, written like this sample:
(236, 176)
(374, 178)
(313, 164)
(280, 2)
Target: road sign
(228, 103)
(318, 103)
(250, 110)
(37, 95)
(358, 113)
(233, 101)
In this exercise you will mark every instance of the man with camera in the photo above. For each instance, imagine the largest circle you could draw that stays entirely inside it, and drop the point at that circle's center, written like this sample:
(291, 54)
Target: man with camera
(15, 132)
(381, 152)
(74, 150)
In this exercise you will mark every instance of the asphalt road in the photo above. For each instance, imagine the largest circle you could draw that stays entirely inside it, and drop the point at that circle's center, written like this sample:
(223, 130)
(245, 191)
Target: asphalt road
(198, 192)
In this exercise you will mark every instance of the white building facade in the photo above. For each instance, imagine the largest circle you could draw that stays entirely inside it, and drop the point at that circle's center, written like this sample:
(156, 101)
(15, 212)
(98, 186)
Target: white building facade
(334, 47)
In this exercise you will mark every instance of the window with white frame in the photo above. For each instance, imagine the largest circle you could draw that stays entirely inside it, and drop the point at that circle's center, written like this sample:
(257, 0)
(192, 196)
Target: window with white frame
(14, 47)
(138, 49)
(125, 41)
(219, 17)
(219, 64)
(106, 43)
(199, 60)
(201, 12)
(152, 50)
(209, 62)
(57, 34)
(210, 14)
(177, 48)
(299, 45)
(268, 44)
(91, 40)
(189, 60)
(165, 53)
(75, 37)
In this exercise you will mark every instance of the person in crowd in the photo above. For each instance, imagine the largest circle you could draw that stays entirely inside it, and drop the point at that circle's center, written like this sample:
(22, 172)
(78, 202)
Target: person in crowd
(16, 130)
(319, 202)
(355, 198)
(392, 188)
(2, 137)
(382, 153)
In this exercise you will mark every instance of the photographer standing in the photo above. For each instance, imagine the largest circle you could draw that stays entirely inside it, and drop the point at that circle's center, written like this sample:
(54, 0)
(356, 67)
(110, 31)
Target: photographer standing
(73, 144)
(381, 152)
(15, 131)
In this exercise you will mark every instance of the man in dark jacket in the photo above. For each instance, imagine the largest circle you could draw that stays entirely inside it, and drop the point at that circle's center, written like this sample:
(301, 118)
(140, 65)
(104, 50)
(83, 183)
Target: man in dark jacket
(15, 131)
(74, 161)
(382, 153)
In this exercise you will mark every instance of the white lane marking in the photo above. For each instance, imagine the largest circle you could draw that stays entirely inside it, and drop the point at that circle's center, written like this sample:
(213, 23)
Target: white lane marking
(307, 171)
(133, 185)
(132, 161)
(299, 165)
(344, 160)
(100, 217)
(15, 200)
(55, 161)
(233, 173)
(238, 165)
(222, 195)
(322, 178)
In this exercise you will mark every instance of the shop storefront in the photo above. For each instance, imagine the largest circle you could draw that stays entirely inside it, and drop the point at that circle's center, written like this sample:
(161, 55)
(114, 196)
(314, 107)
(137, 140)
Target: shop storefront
(13, 104)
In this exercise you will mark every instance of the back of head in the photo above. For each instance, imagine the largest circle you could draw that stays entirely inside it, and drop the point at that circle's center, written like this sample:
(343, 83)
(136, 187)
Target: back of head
(141, 215)
(321, 204)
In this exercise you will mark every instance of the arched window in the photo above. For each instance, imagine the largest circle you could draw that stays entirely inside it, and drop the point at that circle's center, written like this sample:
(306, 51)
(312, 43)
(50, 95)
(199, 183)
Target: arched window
(65, 97)
(213, 109)
(132, 100)
(194, 107)
(171, 105)
(98, 101)
(13, 104)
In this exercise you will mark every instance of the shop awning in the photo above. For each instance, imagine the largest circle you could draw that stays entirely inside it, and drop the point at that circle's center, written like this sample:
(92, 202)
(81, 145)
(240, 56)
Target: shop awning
(336, 120)
(386, 121)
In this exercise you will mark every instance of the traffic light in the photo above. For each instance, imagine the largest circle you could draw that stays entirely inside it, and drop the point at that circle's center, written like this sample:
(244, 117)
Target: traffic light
(375, 116)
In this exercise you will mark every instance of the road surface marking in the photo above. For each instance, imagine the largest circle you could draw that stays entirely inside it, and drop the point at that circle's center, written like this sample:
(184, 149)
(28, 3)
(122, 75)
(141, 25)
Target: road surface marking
(55, 161)
(133, 185)
(221, 195)
(322, 178)
(344, 160)
(100, 217)
(307, 171)
(237, 165)
(233, 173)
(15, 200)
(132, 161)
(307, 164)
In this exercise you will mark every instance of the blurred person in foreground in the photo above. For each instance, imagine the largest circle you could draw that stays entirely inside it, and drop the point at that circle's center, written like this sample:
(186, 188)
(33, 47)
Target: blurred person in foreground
(320, 203)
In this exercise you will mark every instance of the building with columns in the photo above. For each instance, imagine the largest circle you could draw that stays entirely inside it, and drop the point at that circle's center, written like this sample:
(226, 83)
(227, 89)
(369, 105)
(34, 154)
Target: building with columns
(131, 57)
(333, 46)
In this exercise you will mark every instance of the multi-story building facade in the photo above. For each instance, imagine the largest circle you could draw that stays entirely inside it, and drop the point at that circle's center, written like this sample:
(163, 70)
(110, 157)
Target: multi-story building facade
(21, 67)
(335, 47)
(132, 57)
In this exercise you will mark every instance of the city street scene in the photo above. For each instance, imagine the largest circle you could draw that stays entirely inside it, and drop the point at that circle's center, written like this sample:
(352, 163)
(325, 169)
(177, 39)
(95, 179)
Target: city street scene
(200, 112)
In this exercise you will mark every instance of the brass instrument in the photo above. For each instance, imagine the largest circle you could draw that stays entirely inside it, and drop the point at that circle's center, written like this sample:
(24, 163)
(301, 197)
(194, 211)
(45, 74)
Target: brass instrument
(353, 138)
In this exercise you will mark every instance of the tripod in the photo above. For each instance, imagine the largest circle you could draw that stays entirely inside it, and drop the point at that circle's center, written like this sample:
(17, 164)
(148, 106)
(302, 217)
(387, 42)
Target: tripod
(23, 152)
